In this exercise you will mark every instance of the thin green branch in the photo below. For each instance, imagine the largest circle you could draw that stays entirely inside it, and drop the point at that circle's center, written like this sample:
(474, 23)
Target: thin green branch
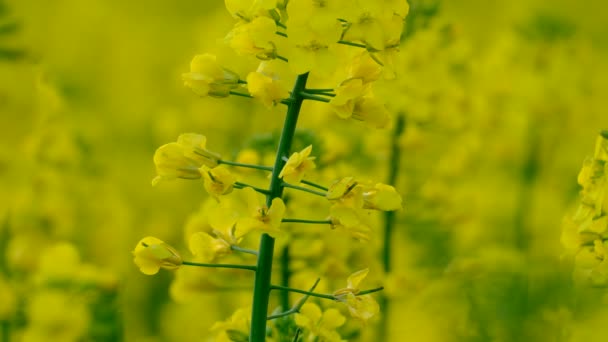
(319, 91)
(301, 188)
(232, 92)
(286, 220)
(243, 250)
(242, 267)
(322, 295)
(280, 24)
(290, 289)
(313, 97)
(282, 34)
(344, 42)
(282, 58)
(239, 185)
(249, 166)
(296, 308)
(314, 185)
(365, 292)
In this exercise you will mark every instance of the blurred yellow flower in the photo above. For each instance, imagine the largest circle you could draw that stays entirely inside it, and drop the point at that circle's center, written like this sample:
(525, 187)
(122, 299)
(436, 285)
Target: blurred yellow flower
(254, 38)
(207, 248)
(343, 103)
(152, 254)
(265, 85)
(217, 181)
(361, 307)
(207, 77)
(321, 326)
(381, 197)
(182, 159)
(259, 216)
(297, 165)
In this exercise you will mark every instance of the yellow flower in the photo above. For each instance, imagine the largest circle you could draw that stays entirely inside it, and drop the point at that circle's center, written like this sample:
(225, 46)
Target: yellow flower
(208, 248)
(369, 110)
(236, 328)
(321, 325)
(361, 307)
(382, 197)
(353, 220)
(265, 85)
(217, 181)
(313, 51)
(365, 68)
(152, 254)
(343, 103)
(182, 159)
(297, 165)
(254, 38)
(260, 217)
(207, 77)
(248, 9)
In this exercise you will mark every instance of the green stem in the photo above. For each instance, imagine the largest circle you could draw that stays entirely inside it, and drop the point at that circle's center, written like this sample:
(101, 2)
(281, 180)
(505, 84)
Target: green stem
(344, 42)
(243, 250)
(240, 185)
(280, 24)
(312, 294)
(240, 94)
(314, 185)
(282, 34)
(319, 91)
(282, 58)
(313, 97)
(306, 221)
(318, 193)
(249, 166)
(261, 290)
(198, 264)
(296, 308)
(389, 222)
(322, 295)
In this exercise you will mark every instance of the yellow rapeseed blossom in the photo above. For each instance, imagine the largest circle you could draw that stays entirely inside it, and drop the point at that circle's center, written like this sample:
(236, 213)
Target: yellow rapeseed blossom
(217, 181)
(259, 217)
(343, 103)
(361, 307)
(371, 111)
(207, 248)
(265, 85)
(152, 254)
(248, 9)
(381, 197)
(320, 326)
(208, 77)
(254, 38)
(297, 165)
(234, 329)
(182, 159)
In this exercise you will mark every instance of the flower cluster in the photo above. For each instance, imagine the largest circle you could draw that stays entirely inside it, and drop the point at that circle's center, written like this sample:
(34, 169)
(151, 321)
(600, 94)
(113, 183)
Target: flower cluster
(585, 234)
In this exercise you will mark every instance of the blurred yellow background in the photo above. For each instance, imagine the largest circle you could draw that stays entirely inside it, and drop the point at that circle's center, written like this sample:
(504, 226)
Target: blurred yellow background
(502, 100)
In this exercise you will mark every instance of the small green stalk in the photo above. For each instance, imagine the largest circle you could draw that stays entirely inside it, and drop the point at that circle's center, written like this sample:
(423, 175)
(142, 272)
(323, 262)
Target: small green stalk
(296, 187)
(261, 289)
(288, 220)
(200, 264)
(389, 222)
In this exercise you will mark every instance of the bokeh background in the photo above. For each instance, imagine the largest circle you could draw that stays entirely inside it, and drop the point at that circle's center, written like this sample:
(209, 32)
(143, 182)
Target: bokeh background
(502, 102)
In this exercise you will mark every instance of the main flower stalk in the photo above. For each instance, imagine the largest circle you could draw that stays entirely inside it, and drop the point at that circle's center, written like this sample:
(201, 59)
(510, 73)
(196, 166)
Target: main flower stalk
(261, 290)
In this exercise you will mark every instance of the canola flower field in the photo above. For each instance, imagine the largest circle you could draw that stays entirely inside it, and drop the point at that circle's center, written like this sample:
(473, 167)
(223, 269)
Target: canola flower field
(303, 170)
